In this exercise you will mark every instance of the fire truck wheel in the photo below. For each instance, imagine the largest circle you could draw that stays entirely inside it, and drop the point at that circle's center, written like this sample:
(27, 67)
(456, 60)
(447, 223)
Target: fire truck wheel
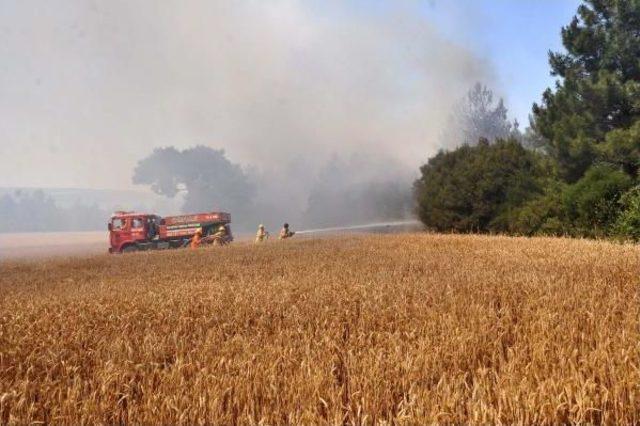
(130, 249)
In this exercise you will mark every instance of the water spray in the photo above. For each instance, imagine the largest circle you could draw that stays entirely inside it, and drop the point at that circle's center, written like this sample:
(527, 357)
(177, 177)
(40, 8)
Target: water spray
(360, 227)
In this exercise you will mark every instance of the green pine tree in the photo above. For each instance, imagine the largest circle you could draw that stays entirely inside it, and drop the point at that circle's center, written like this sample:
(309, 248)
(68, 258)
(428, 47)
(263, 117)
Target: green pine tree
(598, 90)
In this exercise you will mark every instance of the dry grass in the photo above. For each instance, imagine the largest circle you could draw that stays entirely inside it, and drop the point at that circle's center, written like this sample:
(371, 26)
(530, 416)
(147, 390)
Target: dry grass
(363, 330)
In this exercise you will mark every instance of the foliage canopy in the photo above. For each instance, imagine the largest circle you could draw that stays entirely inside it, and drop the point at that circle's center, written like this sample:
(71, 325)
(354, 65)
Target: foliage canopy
(588, 129)
(476, 188)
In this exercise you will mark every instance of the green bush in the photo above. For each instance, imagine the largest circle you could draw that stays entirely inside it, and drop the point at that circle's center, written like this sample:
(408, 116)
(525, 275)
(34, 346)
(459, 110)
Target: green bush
(627, 226)
(592, 203)
(479, 188)
(543, 215)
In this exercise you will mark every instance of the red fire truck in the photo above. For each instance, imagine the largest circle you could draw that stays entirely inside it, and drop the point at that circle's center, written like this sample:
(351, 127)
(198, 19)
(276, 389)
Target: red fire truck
(131, 231)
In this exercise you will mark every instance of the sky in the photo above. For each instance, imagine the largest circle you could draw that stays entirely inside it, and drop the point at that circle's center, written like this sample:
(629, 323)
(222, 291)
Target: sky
(88, 88)
(515, 36)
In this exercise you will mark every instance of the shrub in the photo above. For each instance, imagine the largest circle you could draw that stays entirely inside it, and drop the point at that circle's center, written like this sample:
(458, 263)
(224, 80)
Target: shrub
(627, 224)
(477, 188)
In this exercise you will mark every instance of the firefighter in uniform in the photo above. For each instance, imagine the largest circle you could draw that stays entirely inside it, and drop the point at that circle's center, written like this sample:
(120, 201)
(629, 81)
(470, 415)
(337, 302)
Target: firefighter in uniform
(220, 237)
(261, 235)
(285, 232)
(196, 239)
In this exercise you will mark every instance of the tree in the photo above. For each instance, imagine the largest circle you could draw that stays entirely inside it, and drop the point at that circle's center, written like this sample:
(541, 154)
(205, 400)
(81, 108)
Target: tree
(599, 86)
(476, 116)
(208, 179)
(477, 188)
(621, 147)
(589, 127)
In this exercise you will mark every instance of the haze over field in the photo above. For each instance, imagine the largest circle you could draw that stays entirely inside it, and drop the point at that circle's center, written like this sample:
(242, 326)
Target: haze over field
(287, 88)
(271, 82)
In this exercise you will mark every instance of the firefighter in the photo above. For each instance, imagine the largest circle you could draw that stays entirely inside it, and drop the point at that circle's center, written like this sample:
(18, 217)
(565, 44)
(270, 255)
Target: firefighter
(196, 239)
(153, 229)
(220, 237)
(285, 232)
(261, 235)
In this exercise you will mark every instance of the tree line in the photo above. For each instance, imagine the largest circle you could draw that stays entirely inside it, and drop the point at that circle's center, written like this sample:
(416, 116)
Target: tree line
(35, 211)
(575, 170)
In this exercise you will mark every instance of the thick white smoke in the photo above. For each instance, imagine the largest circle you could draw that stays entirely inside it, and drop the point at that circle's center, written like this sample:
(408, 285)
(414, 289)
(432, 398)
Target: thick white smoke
(91, 87)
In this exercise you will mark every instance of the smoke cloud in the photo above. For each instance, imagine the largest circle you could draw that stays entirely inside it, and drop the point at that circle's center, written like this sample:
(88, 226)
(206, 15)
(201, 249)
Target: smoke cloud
(284, 87)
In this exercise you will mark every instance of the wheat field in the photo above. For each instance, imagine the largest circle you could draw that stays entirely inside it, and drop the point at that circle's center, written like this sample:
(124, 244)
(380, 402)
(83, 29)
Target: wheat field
(402, 329)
